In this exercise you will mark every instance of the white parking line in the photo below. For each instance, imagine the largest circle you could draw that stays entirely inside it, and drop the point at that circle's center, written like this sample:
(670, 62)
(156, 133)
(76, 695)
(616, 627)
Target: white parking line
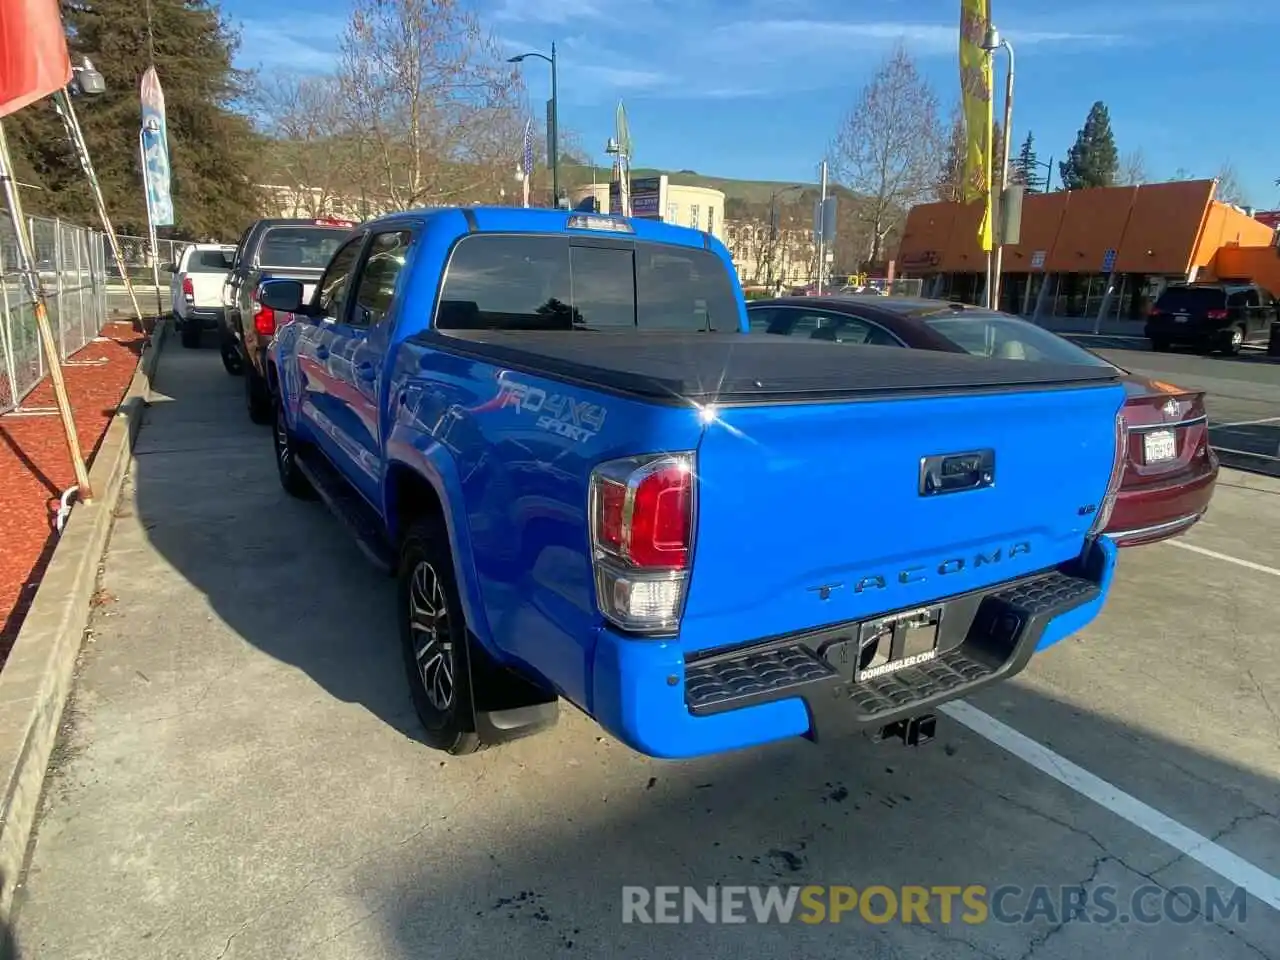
(1245, 453)
(1243, 423)
(1249, 564)
(1223, 862)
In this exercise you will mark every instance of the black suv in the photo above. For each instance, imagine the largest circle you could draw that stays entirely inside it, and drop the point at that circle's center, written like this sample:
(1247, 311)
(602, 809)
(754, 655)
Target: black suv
(1211, 316)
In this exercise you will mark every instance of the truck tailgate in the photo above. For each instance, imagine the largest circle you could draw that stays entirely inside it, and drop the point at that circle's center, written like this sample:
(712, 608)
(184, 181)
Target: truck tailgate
(206, 288)
(813, 514)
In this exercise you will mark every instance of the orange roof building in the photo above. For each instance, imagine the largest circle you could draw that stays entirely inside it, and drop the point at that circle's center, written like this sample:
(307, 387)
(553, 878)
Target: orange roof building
(1075, 243)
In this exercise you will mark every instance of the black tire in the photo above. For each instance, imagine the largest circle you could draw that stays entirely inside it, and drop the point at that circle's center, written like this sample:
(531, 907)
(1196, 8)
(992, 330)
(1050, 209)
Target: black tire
(1232, 346)
(433, 633)
(231, 359)
(230, 355)
(190, 334)
(293, 480)
(257, 398)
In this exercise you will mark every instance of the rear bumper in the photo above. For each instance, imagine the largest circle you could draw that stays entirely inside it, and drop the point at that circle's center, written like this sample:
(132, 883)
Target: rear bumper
(1194, 331)
(650, 697)
(1155, 512)
(208, 318)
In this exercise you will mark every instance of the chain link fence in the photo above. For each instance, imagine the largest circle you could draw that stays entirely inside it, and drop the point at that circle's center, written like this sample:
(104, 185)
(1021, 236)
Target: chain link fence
(71, 264)
(138, 267)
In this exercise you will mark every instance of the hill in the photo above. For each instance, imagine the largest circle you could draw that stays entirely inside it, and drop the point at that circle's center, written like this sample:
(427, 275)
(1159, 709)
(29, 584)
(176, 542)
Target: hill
(754, 192)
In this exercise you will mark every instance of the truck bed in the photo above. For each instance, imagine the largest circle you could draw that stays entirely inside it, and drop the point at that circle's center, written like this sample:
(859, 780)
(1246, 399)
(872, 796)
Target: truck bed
(681, 367)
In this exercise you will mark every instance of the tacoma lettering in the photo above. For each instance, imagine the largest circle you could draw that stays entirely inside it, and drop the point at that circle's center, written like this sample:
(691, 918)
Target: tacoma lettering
(945, 568)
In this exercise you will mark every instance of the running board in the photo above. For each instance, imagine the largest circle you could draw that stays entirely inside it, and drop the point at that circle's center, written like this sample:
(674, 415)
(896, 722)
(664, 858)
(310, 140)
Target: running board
(349, 507)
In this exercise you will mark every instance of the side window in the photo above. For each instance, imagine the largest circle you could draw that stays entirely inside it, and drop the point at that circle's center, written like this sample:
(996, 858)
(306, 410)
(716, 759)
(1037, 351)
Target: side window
(1237, 299)
(376, 285)
(507, 283)
(760, 320)
(235, 258)
(331, 293)
(693, 216)
(1251, 298)
(833, 327)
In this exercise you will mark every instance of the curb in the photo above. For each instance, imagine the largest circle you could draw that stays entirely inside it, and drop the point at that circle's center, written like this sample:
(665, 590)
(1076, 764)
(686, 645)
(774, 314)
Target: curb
(37, 677)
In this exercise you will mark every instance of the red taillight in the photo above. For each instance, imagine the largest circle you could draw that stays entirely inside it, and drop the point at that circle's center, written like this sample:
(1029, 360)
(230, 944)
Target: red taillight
(264, 318)
(187, 288)
(1216, 314)
(642, 536)
(1103, 516)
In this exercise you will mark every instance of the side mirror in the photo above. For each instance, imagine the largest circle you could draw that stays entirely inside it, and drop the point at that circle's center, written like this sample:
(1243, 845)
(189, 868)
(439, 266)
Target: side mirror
(282, 295)
(170, 268)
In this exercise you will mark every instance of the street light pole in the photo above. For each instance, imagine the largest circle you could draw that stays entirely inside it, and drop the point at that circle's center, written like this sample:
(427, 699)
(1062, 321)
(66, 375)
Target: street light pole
(553, 121)
(994, 42)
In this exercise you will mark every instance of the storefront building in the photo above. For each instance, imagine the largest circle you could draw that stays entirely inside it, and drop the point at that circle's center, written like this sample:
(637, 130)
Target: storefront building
(1105, 252)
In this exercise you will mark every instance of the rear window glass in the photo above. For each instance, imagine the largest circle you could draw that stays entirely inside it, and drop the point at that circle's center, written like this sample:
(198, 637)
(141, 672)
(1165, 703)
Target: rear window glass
(546, 283)
(299, 246)
(1004, 337)
(1192, 298)
(209, 261)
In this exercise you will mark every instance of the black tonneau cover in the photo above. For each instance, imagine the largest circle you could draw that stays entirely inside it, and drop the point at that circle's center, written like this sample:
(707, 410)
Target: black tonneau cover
(739, 368)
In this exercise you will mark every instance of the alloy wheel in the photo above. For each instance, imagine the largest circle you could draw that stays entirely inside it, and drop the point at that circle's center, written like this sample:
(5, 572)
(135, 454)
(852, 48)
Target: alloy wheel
(284, 456)
(429, 626)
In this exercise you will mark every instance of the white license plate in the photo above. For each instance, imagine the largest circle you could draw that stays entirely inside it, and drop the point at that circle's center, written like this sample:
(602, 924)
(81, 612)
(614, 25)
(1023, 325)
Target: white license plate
(1179, 318)
(1159, 445)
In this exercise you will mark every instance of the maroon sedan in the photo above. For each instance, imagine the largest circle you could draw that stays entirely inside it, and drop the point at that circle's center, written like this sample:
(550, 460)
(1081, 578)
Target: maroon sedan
(1169, 471)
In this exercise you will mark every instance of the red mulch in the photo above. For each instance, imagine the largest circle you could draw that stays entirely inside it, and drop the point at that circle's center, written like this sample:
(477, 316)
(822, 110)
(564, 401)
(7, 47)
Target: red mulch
(35, 468)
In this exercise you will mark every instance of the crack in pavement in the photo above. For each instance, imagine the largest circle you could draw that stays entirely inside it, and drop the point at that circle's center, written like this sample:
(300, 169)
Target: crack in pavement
(1107, 856)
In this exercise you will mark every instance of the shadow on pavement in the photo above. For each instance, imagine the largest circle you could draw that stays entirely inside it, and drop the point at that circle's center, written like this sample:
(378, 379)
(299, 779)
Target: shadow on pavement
(522, 851)
(205, 488)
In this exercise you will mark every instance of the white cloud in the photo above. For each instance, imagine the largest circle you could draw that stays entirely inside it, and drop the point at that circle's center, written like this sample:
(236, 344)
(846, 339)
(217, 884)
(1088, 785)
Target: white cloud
(308, 45)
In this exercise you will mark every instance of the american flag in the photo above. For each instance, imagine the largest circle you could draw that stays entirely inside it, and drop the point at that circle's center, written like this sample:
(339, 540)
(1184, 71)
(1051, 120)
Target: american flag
(526, 161)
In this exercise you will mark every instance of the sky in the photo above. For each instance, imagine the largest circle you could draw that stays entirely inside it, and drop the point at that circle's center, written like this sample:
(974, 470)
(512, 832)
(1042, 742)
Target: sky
(756, 89)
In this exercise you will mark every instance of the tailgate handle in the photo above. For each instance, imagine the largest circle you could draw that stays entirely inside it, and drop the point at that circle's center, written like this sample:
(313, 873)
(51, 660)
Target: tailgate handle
(954, 472)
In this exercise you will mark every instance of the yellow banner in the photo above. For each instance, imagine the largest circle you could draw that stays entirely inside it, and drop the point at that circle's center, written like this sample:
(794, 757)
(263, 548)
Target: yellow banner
(975, 89)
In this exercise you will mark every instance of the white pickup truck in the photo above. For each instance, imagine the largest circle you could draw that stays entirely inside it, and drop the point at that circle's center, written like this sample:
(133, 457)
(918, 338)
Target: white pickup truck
(195, 289)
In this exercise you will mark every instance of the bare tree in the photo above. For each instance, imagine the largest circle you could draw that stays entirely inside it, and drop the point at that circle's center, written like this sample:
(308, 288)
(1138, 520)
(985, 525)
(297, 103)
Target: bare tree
(950, 186)
(1133, 169)
(437, 109)
(314, 156)
(890, 145)
(1229, 189)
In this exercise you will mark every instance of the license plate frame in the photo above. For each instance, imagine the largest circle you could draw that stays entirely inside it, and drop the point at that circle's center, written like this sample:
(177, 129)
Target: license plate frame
(1181, 317)
(901, 640)
(1159, 446)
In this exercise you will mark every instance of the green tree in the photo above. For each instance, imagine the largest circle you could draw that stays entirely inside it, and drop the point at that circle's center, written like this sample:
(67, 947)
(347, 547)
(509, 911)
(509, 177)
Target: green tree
(1026, 166)
(214, 150)
(1092, 161)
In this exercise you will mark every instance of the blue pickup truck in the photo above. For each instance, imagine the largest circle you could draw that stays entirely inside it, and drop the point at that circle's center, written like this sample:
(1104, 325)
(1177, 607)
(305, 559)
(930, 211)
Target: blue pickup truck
(594, 487)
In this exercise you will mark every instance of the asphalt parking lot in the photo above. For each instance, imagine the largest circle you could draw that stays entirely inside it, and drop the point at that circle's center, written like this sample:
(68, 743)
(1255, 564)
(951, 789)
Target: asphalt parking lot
(1242, 394)
(238, 775)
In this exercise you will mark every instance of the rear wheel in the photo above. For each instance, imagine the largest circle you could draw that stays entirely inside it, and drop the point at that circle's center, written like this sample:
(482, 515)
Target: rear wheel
(293, 480)
(433, 632)
(257, 398)
(1232, 346)
(190, 333)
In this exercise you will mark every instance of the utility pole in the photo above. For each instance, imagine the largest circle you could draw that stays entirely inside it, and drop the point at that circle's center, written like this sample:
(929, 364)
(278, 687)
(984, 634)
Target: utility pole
(822, 229)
